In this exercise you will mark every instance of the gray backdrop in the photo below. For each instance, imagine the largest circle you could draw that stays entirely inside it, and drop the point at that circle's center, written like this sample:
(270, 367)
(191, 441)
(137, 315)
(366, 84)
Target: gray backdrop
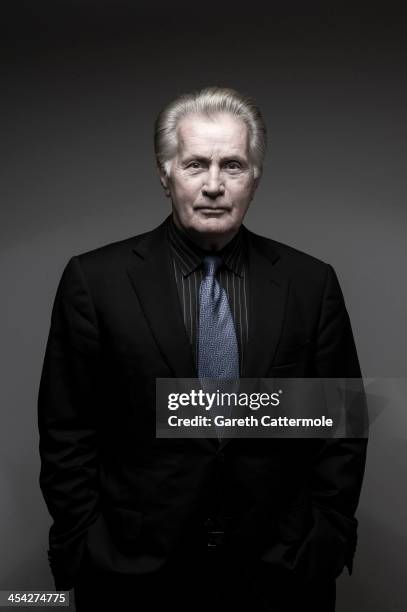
(82, 84)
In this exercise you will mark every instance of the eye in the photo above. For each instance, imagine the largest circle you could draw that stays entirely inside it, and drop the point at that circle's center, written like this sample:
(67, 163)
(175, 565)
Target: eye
(233, 165)
(195, 165)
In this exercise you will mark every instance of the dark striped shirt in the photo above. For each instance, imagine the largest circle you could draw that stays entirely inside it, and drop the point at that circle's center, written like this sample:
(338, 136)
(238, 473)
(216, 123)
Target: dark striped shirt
(232, 276)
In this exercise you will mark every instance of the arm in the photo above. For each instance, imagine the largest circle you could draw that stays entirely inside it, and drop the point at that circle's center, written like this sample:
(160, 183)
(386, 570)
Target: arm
(67, 403)
(339, 466)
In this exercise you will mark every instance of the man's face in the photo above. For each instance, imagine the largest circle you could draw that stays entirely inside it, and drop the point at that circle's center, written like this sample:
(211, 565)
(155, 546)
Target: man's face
(211, 181)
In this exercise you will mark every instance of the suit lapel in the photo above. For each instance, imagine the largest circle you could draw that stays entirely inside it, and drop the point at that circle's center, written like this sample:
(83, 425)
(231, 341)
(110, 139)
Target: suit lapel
(152, 278)
(267, 304)
(267, 298)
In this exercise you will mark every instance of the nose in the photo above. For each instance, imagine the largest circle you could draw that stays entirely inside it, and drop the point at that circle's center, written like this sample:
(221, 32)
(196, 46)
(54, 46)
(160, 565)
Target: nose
(213, 185)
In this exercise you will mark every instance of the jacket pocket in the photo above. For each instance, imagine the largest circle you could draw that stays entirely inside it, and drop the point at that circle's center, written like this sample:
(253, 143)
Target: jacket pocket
(113, 539)
(293, 524)
(329, 545)
(124, 523)
(322, 552)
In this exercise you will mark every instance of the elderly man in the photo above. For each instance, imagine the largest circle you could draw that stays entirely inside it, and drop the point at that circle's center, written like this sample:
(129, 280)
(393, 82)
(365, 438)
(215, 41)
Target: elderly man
(196, 524)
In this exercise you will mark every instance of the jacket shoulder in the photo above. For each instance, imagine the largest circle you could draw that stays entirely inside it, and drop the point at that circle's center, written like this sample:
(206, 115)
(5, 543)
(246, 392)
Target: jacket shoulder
(114, 250)
(119, 253)
(288, 257)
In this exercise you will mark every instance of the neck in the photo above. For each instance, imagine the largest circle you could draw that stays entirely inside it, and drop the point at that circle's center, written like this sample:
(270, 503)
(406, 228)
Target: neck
(211, 242)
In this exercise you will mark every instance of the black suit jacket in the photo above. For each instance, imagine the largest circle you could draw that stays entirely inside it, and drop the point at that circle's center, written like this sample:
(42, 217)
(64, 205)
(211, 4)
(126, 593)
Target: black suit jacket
(131, 499)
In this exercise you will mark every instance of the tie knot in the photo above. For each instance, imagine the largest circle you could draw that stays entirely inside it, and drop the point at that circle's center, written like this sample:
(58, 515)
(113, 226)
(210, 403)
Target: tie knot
(211, 264)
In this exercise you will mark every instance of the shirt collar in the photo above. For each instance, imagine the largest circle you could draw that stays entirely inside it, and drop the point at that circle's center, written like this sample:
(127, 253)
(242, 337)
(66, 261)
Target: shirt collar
(189, 255)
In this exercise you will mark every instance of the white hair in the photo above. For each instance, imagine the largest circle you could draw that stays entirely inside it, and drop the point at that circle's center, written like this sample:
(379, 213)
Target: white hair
(208, 102)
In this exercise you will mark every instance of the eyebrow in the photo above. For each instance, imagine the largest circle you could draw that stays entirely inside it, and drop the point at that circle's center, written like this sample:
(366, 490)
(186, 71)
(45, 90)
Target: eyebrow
(202, 158)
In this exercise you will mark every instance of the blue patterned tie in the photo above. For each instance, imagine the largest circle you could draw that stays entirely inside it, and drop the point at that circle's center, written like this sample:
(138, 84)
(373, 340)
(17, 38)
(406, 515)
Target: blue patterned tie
(218, 353)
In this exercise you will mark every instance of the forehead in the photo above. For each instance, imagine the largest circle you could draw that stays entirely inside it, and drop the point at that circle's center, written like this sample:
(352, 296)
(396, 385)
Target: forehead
(222, 132)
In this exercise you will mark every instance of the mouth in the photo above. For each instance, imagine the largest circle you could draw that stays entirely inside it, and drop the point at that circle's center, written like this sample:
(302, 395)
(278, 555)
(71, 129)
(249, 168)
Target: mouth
(209, 210)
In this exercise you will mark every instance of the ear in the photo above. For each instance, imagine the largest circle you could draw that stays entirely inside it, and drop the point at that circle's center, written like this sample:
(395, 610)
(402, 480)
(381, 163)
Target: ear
(163, 179)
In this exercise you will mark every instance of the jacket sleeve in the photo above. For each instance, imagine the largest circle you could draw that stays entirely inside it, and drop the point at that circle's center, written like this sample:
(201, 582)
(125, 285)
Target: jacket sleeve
(339, 466)
(67, 408)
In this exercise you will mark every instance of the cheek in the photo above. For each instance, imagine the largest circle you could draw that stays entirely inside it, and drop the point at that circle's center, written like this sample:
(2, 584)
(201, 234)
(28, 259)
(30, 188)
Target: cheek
(185, 191)
(241, 192)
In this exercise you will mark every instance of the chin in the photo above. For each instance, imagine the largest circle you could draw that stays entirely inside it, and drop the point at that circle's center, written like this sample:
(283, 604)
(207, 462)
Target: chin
(214, 226)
